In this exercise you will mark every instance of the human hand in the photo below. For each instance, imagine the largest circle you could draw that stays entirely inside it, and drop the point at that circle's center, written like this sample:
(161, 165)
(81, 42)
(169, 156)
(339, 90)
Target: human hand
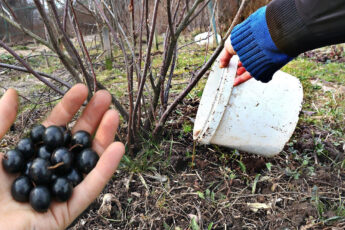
(96, 119)
(227, 53)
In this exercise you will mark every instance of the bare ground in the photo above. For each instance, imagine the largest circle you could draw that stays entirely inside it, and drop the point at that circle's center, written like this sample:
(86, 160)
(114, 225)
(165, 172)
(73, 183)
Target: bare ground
(182, 188)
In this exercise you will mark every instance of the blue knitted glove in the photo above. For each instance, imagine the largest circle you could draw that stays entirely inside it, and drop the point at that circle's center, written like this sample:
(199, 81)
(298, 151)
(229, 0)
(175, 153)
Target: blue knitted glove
(253, 44)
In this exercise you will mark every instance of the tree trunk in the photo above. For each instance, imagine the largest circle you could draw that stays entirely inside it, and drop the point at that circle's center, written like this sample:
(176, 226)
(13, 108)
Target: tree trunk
(227, 10)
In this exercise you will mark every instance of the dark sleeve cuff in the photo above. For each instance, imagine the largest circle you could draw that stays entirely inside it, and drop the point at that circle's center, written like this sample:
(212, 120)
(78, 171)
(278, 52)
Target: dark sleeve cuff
(253, 43)
(297, 26)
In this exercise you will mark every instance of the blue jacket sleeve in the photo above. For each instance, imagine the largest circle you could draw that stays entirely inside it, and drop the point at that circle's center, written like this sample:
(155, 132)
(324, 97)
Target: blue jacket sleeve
(253, 43)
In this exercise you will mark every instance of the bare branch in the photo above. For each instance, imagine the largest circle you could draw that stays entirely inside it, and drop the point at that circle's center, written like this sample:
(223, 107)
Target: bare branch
(131, 49)
(25, 98)
(141, 36)
(168, 86)
(27, 66)
(169, 53)
(199, 11)
(10, 9)
(116, 38)
(182, 95)
(117, 104)
(170, 20)
(70, 44)
(55, 46)
(21, 69)
(64, 24)
(84, 48)
(26, 31)
(185, 22)
(148, 56)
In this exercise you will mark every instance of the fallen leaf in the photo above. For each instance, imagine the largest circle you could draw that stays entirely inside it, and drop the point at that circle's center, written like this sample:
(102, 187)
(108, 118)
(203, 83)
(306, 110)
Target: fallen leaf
(136, 194)
(256, 206)
(106, 207)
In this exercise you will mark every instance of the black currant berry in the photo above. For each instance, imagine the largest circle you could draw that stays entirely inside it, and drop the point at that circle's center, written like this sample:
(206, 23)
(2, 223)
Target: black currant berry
(21, 189)
(81, 140)
(63, 128)
(53, 178)
(40, 198)
(74, 177)
(67, 136)
(62, 189)
(13, 161)
(27, 167)
(39, 171)
(37, 133)
(44, 153)
(26, 147)
(62, 155)
(86, 160)
(53, 137)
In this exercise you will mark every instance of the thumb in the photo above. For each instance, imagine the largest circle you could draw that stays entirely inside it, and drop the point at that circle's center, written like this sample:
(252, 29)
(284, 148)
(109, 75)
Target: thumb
(8, 110)
(226, 54)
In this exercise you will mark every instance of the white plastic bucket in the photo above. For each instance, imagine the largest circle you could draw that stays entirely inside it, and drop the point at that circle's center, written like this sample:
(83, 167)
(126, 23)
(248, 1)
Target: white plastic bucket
(254, 117)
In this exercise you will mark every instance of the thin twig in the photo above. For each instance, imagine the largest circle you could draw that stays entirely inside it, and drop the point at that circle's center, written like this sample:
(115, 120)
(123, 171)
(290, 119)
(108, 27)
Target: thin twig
(170, 20)
(11, 11)
(168, 54)
(21, 69)
(131, 49)
(130, 129)
(85, 49)
(69, 43)
(140, 55)
(168, 86)
(147, 61)
(27, 66)
(100, 9)
(25, 98)
(66, 62)
(210, 34)
(116, 38)
(65, 12)
(115, 102)
(26, 31)
(199, 11)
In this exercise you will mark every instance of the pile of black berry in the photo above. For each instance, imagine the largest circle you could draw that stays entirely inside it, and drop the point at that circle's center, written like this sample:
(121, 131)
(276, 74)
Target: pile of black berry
(51, 162)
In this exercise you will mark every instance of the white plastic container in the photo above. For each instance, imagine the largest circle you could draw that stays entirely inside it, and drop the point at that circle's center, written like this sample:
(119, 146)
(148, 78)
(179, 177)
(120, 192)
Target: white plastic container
(206, 38)
(254, 117)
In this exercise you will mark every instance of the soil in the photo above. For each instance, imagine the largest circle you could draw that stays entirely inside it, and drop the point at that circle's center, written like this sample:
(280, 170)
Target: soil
(183, 187)
(335, 53)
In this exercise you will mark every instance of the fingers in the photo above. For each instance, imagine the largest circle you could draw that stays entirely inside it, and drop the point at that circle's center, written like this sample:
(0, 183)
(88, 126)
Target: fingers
(226, 54)
(93, 113)
(242, 78)
(106, 131)
(94, 182)
(68, 106)
(224, 58)
(241, 71)
(8, 110)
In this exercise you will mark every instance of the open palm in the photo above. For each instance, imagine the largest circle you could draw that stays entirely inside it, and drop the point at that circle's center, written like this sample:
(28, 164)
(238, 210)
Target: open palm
(95, 117)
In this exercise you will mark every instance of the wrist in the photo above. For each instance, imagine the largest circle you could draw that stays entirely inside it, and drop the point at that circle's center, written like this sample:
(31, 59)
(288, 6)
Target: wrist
(253, 44)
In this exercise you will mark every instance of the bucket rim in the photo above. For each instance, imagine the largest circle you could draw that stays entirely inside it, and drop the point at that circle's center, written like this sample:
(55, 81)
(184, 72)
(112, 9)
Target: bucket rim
(215, 114)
